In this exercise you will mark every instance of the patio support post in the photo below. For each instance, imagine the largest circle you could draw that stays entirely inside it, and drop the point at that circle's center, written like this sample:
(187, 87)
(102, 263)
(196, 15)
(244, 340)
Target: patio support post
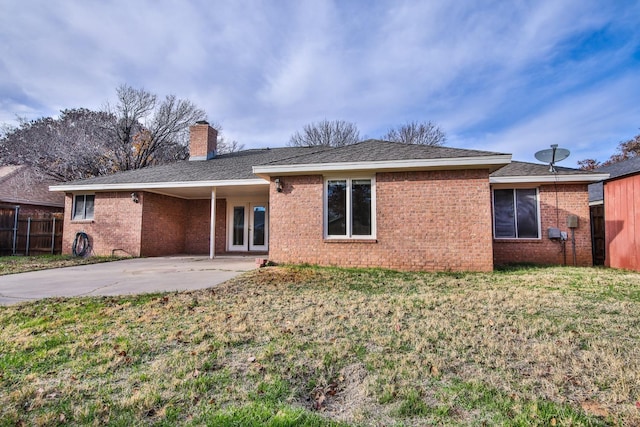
(212, 228)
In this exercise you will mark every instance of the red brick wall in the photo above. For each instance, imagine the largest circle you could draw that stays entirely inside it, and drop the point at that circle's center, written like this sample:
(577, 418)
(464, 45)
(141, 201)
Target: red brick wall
(202, 140)
(163, 225)
(572, 200)
(117, 224)
(622, 223)
(157, 225)
(434, 221)
(221, 226)
(196, 232)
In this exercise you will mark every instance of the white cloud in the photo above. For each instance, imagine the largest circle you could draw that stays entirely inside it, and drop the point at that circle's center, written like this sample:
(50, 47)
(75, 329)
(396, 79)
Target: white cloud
(487, 71)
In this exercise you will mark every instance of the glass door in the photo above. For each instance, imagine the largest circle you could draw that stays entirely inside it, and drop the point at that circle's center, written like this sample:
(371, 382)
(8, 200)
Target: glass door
(238, 229)
(258, 227)
(248, 227)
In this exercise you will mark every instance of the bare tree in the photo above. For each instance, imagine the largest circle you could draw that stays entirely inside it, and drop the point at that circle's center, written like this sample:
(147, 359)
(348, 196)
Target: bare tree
(626, 150)
(67, 148)
(333, 133)
(148, 132)
(137, 132)
(224, 146)
(423, 133)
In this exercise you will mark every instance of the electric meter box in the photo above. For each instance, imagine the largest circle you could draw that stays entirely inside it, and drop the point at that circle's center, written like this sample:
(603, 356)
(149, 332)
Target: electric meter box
(554, 233)
(572, 221)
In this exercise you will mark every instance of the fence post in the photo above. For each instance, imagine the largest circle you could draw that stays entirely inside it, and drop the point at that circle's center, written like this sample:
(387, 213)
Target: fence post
(26, 249)
(15, 230)
(53, 236)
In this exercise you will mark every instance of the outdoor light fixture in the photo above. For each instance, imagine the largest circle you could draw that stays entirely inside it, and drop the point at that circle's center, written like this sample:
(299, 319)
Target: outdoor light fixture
(278, 185)
(134, 197)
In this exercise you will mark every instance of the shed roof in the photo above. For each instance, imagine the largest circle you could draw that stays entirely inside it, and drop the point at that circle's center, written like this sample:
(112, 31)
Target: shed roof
(615, 170)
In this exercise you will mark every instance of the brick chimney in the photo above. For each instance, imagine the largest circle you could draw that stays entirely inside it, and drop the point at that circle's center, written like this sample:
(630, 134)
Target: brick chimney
(203, 141)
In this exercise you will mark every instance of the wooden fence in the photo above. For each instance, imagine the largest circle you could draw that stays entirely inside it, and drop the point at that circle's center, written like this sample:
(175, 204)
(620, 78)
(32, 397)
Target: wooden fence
(28, 236)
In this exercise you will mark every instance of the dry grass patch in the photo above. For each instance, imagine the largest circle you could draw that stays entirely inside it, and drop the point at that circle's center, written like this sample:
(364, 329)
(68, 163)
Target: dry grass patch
(312, 346)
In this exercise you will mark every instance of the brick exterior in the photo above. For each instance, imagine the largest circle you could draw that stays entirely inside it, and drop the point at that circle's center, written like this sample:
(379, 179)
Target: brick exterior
(430, 221)
(157, 225)
(572, 200)
(163, 225)
(433, 221)
(221, 227)
(117, 224)
(203, 141)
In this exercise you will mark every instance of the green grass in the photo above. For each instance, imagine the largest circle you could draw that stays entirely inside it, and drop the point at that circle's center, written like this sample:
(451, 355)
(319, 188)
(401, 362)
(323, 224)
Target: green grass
(22, 264)
(289, 346)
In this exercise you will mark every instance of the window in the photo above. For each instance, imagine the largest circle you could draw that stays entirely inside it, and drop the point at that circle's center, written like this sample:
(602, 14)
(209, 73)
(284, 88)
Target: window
(515, 214)
(83, 206)
(349, 210)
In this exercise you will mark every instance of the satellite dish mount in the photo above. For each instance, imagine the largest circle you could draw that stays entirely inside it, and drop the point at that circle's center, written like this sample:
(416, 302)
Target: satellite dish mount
(552, 155)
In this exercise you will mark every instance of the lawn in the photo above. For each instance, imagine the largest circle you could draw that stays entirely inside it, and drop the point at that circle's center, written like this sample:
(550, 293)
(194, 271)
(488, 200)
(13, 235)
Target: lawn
(21, 264)
(288, 346)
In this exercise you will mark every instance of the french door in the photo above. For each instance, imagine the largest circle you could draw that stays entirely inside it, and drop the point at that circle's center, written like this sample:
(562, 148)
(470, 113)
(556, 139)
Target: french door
(248, 227)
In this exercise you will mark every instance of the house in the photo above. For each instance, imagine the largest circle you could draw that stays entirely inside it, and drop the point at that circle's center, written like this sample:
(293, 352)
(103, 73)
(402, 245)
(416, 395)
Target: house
(616, 215)
(25, 196)
(21, 186)
(372, 204)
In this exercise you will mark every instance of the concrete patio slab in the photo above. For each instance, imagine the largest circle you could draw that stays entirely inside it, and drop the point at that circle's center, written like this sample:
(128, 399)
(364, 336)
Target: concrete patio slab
(131, 276)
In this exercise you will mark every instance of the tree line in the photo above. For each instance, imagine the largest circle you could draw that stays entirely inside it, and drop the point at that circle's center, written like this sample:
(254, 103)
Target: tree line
(141, 130)
(137, 131)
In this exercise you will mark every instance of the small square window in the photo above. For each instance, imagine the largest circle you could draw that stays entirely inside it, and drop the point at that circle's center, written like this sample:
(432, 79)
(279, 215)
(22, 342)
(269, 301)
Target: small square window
(83, 206)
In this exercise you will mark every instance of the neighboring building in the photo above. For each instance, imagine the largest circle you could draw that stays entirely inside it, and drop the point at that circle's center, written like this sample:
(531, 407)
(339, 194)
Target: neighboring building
(21, 186)
(372, 204)
(615, 209)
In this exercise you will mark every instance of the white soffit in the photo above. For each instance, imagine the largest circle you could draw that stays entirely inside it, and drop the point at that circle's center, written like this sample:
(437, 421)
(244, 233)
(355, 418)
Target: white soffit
(595, 177)
(154, 185)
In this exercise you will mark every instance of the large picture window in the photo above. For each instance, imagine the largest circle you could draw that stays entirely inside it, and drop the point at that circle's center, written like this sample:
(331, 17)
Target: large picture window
(349, 208)
(515, 214)
(83, 206)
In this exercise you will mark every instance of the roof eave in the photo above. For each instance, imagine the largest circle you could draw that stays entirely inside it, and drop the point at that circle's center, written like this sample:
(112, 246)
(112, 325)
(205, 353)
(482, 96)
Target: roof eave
(548, 179)
(493, 162)
(155, 185)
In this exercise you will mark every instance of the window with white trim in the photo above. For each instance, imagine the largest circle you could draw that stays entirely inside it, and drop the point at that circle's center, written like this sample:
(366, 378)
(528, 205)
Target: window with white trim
(83, 206)
(516, 213)
(349, 208)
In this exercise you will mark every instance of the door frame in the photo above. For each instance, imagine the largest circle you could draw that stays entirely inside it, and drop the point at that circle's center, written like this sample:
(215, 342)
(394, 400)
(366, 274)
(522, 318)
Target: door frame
(248, 205)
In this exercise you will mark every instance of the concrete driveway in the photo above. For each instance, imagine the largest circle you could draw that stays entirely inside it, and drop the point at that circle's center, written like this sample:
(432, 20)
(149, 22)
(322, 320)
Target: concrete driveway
(132, 276)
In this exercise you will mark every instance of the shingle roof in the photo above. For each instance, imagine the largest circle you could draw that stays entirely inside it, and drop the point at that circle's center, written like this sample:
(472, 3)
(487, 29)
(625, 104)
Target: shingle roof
(616, 170)
(375, 150)
(516, 168)
(232, 166)
(20, 184)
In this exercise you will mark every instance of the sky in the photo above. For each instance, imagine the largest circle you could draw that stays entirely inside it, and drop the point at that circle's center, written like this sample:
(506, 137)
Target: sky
(508, 76)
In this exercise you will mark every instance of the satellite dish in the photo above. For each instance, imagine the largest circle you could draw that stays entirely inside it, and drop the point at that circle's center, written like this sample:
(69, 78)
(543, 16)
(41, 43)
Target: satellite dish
(552, 155)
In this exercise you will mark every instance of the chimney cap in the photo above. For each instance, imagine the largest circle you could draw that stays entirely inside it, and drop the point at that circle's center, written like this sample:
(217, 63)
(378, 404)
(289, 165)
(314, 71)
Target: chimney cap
(202, 122)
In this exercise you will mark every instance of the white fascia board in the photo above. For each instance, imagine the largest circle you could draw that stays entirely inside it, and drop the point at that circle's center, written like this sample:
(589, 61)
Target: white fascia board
(495, 160)
(154, 185)
(595, 177)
